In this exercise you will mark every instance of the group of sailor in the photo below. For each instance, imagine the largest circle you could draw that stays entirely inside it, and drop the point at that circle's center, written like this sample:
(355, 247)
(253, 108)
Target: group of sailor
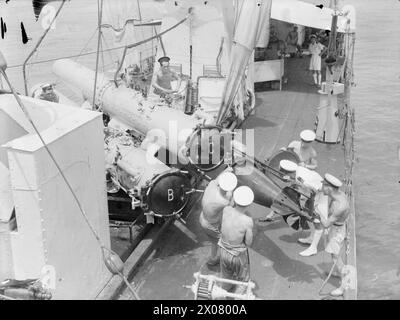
(225, 220)
(229, 227)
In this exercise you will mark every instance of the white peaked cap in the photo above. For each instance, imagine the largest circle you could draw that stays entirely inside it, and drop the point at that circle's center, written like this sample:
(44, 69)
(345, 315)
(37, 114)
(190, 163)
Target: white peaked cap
(333, 180)
(307, 135)
(288, 165)
(227, 181)
(243, 196)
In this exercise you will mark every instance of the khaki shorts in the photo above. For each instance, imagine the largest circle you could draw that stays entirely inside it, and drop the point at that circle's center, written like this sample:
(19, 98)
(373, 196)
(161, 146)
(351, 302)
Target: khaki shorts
(336, 237)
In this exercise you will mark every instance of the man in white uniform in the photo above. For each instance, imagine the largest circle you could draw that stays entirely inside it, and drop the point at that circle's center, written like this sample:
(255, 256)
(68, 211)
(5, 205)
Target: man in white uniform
(316, 49)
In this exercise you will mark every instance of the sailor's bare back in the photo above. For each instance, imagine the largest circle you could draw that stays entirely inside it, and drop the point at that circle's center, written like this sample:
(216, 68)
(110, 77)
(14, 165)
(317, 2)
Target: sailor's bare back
(237, 227)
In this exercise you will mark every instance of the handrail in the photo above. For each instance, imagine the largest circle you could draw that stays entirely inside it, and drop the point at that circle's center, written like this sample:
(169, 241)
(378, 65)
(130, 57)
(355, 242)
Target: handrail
(144, 41)
(37, 46)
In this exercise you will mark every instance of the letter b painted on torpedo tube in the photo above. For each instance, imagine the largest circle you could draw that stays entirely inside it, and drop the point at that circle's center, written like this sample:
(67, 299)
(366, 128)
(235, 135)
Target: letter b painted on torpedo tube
(170, 195)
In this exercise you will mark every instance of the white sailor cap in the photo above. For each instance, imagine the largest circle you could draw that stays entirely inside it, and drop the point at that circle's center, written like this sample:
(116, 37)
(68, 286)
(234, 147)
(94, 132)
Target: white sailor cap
(243, 196)
(227, 181)
(307, 135)
(288, 165)
(333, 181)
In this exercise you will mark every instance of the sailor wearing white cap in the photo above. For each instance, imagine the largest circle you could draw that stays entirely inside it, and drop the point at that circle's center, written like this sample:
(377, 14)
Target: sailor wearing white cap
(304, 149)
(289, 168)
(338, 212)
(236, 236)
(217, 196)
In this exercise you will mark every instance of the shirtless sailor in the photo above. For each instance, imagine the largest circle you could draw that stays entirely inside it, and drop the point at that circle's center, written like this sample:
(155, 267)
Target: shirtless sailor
(236, 237)
(164, 77)
(217, 196)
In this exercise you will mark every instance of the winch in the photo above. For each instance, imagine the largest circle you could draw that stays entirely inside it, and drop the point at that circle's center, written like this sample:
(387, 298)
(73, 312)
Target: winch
(206, 288)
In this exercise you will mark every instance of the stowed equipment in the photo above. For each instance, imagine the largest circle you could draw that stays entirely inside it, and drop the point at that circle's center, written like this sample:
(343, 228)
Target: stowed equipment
(31, 289)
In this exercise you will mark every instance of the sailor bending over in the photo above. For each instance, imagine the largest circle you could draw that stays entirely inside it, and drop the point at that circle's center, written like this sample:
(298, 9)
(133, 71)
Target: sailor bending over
(338, 212)
(217, 196)
(236, 237)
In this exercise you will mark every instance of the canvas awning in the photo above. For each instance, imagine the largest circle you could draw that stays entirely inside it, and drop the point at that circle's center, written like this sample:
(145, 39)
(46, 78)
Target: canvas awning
(309, 15)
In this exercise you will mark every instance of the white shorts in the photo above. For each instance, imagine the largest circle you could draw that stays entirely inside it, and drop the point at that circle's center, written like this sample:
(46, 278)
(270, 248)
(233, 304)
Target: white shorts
(336, 237)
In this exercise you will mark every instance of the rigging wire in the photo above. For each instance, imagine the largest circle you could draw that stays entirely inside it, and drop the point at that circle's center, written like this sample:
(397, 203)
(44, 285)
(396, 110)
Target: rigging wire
(99, 17)
(86, 44)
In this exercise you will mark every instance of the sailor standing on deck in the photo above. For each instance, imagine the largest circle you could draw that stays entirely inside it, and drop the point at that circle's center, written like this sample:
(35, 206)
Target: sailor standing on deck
(217, 196)
(338, 212)
(305, 150)
(236, 237)
(316, 50)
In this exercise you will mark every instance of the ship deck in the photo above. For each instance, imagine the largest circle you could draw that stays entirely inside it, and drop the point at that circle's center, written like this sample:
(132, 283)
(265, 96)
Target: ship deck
(276, 266)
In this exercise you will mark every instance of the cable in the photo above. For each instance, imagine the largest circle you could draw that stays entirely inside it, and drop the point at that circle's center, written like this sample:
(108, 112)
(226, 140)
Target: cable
(144, 41)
